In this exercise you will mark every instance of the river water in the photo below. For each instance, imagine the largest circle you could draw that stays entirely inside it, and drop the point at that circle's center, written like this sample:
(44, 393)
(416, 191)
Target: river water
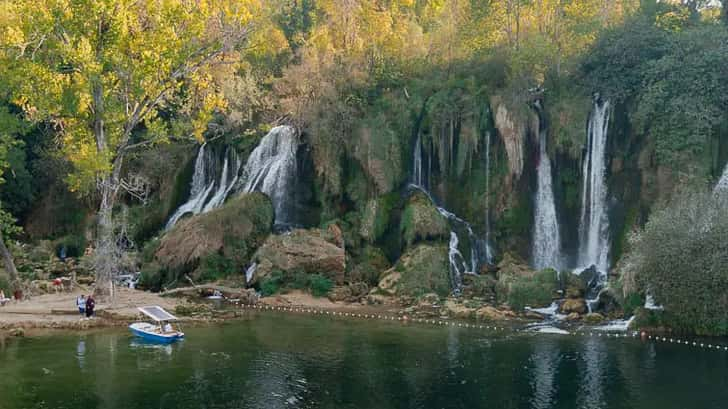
(275, 360)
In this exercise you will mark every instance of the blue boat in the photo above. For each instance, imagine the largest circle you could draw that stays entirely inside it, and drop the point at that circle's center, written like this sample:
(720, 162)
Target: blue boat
(160, 330)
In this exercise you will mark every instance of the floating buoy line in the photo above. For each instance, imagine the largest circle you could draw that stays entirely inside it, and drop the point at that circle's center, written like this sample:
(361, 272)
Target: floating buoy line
(447, 323)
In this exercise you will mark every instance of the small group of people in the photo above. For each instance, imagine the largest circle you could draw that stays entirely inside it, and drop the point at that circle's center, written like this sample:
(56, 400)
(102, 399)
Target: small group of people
(86, 305)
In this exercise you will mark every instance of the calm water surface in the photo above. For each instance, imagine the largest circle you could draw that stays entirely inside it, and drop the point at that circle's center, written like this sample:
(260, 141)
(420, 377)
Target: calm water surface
(285, 361)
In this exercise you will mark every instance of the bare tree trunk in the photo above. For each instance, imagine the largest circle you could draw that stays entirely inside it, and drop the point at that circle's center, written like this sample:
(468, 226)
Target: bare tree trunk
(8, 260)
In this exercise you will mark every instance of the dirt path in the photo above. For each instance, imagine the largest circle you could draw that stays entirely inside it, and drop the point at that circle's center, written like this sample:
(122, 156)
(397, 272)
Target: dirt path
(59, 310)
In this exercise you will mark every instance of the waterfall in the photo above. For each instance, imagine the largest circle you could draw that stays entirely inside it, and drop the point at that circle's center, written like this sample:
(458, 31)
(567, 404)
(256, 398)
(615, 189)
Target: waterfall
(226, 183)
(594, 226)
(272, 169)
(486, 244)
(201, 186)
(478, 247)
(546, 238)
(204, 181)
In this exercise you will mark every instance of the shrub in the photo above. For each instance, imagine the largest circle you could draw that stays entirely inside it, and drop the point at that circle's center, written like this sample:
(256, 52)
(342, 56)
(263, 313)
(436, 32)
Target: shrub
(681, 257)
(217, 266)
(272, 284)
(319, 285)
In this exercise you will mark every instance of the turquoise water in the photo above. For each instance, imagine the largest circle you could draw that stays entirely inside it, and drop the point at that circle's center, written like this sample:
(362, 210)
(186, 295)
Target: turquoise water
(271, 360)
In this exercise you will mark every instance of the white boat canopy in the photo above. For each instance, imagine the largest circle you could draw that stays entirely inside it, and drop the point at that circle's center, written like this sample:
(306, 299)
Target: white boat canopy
(157, 313)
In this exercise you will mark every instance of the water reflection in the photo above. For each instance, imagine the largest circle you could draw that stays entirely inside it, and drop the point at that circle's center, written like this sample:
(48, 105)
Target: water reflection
(81, 353)
(594, 356)
(544, 363)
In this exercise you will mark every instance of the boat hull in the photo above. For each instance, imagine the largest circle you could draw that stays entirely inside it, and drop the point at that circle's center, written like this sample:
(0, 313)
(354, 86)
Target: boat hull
(145, 332)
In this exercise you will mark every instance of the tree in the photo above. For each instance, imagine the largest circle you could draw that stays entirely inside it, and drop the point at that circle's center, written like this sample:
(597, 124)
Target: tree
(103, 72)
(10, 126)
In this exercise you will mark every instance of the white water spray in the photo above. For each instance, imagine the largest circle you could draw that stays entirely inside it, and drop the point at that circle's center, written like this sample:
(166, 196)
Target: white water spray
(546, 237)
(272, 168)
(594, 227)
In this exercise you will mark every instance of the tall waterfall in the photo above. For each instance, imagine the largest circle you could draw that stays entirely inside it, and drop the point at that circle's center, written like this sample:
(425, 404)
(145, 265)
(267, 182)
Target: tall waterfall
(459, 265)
(487, 248)
(546, 249)
(272, 168)
(204, 181)
(594, 226)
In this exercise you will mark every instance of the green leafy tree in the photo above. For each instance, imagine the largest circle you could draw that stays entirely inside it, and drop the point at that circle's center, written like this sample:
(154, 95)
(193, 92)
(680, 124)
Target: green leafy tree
(102, 72)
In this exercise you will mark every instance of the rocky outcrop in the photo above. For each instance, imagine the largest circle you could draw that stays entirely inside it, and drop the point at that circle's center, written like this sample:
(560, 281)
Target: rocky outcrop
(422, 269)
(421, 221)
(235, 230)
(313, 251)
(520, 286)
(573, 305)
(512, 132)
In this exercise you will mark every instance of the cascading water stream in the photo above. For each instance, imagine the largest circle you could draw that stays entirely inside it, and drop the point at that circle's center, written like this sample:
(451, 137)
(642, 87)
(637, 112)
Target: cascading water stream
(202, 185)
(271, 169)
(594, 223)
(458, 263)
(546, 237)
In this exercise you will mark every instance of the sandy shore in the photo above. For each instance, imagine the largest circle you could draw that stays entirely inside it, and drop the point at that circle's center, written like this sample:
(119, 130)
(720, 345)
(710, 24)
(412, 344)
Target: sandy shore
(58, 311)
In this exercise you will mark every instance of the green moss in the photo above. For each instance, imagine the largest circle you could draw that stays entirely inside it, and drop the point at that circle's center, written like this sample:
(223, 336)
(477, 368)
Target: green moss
(537, 290)
(421, 221)
(424, 269)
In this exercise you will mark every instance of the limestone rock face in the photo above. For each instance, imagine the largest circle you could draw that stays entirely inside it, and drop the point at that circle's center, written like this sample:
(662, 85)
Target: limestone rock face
(234, 230)
(513, 134)
(312, 251)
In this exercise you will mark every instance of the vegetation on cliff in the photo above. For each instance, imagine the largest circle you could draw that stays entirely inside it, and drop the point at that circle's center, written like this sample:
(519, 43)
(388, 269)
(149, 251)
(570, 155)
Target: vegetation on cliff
(100, 103)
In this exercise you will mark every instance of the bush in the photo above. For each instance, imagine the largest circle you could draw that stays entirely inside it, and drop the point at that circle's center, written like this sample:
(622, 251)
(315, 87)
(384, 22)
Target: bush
(681, 258)
(278, 281)
(217, 266)
(319, 285)
(272, 284)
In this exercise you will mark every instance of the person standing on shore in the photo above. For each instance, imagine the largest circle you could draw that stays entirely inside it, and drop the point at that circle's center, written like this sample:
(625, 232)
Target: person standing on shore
(81, 304)
(90, 305)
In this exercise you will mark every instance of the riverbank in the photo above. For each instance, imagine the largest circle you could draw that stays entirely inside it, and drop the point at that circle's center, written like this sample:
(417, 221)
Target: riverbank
(57, 311)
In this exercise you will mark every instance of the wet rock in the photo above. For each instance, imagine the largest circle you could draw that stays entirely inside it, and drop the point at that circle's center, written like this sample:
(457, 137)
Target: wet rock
(458, 310)
(489, 313)
(388, 283)
(533, 315)
(607, 302)
(17, 332)
(577, 305)
(302, 251)
(593, 318)
(574, 316)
